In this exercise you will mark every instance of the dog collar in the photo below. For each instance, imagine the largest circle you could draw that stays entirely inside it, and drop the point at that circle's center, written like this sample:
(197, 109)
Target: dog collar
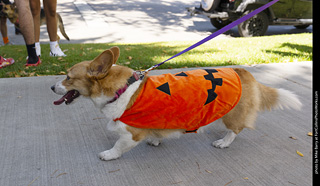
(135, 77)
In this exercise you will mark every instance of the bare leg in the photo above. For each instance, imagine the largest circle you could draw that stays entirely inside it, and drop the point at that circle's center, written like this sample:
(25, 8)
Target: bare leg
(26, 21)
(27, 29)
(50, 7)
(3, 29)
(35, 9)
(3, 26)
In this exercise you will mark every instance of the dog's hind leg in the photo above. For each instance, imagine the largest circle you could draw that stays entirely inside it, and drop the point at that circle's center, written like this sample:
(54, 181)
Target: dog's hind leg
(226, 141)
(155, 136)
(235, 124)
(153, 141)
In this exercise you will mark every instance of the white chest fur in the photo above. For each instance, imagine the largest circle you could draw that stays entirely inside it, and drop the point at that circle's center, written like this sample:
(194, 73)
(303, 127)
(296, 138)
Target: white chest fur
(116, 109)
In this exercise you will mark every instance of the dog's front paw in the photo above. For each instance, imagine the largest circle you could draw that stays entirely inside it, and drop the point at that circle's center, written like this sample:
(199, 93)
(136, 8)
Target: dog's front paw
(109, 155)
(220, 144)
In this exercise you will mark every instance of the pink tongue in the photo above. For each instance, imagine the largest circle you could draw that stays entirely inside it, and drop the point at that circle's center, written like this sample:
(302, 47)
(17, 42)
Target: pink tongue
(60, 101)
(64, 98)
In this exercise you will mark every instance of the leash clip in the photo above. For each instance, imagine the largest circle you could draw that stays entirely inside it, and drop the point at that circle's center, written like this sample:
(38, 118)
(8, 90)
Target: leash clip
(139, 74)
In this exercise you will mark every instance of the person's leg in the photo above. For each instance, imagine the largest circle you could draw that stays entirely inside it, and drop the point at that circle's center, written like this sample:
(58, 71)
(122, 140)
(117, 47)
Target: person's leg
(50, 7)
(3, 29)
(26, 21)
(27, 29)
(35, 9)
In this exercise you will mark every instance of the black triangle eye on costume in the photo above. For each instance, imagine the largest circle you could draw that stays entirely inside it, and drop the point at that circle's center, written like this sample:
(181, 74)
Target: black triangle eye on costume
(165, 88)
(182, 74)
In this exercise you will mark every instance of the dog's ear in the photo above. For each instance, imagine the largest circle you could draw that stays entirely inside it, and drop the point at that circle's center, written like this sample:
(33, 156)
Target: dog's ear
(100, 66)
(116, 53)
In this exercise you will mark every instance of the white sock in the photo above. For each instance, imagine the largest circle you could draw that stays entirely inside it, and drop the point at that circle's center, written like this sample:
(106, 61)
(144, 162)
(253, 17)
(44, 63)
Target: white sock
(55, 50)
(53, 45)
(38, 48)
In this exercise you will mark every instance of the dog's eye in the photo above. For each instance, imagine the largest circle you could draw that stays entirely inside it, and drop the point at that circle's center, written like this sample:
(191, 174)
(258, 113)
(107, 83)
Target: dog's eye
(68, 77)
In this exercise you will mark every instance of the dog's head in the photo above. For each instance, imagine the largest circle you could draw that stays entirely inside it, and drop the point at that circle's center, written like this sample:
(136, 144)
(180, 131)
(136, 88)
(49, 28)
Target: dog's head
(9, 9)
(96, 78)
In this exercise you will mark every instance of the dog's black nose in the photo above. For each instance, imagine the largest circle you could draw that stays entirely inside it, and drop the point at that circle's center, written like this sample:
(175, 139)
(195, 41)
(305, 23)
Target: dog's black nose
(52, 88)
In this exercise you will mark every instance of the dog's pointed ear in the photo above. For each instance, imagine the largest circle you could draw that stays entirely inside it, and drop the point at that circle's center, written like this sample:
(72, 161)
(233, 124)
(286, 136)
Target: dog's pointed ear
(100, 66)
(116, 53)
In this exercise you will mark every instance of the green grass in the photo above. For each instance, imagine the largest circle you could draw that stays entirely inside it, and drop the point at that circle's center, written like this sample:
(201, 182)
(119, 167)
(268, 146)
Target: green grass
(219, 52)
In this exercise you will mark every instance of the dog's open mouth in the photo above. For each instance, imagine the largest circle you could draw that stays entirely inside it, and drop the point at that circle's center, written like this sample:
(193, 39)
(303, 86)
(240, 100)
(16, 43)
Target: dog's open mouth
(68, 97)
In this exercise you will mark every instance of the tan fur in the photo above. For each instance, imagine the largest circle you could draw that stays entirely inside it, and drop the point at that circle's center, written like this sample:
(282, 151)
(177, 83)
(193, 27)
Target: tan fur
(101, 77)
(243, 115)
(115, 79)
(76, 78)
(116, 53)
(98, 68)
(10, 11)
(107, 80)
(97, 76)
(139, 134)
(255, 97)
(268, 97)
(12, 14)
(89, 86)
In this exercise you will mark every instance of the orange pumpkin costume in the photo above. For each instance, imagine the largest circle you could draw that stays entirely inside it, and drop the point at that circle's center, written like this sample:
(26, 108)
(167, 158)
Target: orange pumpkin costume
(186, 100)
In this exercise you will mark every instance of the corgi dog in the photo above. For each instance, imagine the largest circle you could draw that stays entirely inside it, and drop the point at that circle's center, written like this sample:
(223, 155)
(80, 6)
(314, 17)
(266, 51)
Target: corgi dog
(10, 10)
(154, 107)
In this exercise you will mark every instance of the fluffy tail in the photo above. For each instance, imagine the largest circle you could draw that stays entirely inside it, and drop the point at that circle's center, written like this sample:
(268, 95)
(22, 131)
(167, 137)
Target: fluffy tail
(271, 98)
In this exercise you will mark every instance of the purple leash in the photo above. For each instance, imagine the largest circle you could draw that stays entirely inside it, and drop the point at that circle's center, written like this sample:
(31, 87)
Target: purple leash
(222, 30)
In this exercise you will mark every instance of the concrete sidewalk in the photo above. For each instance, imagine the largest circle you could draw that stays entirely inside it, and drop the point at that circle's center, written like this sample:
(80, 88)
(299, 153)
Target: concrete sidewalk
(43, 144)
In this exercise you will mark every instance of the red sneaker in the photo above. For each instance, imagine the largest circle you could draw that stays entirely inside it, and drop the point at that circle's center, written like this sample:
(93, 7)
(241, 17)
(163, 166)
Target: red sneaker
(5, 62)
(33, 65)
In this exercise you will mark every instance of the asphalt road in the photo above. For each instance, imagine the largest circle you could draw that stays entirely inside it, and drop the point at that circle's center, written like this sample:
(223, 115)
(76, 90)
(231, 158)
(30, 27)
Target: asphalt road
(101, 21)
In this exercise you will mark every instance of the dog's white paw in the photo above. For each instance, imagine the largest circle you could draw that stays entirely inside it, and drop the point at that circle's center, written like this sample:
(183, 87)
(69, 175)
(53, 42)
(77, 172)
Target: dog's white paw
(220, 144)
(109, 155)
(153, 142)
(226, 141)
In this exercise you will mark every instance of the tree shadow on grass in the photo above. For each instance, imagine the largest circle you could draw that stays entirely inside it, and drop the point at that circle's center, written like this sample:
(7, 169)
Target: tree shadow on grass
(289, 49)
